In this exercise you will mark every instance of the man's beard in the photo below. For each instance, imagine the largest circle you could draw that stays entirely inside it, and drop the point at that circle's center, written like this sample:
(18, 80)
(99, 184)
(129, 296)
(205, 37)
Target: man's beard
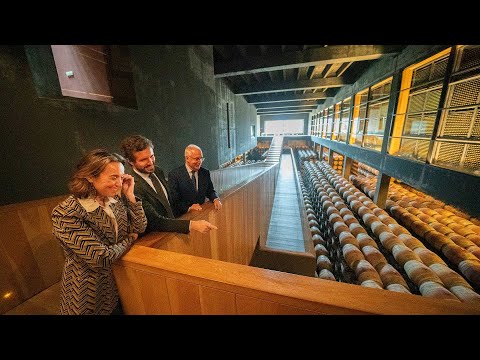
(145, 171)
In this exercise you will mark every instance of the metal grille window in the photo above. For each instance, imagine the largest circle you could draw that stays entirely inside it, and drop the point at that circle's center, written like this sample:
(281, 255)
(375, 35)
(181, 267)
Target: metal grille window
(377, 115)
(336, 121)
(457, 144)
(329, 123)
(358, 119)
(419, 101)
(314, 125)
(345, 117)
(369, 115)
(324, 123)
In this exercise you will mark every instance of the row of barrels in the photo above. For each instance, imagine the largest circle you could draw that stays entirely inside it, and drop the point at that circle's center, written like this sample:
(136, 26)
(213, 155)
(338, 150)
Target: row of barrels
(324, 264)
(306, 154)
(457, 238)
(352, 245)
(403, 192)
(403, 195)
(241, 162)
(366, 170)
(425, 269)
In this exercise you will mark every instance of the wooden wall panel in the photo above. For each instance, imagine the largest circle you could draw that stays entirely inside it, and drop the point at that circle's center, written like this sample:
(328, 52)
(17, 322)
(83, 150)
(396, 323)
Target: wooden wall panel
(37, 225)
(239, 223)
(217, 302)
(23, 276)
(202, 245)
(145, 293)
(31, 259)
(184, 297)
(217, 251)
(130, 292)
(179, 242)
(247, 305)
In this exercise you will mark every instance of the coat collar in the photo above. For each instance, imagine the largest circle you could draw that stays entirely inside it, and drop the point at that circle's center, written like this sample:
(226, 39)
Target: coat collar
(90, 204)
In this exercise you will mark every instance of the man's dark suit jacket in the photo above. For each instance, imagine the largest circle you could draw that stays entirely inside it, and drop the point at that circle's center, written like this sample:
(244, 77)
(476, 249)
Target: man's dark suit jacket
(183, 191)
(155, 209)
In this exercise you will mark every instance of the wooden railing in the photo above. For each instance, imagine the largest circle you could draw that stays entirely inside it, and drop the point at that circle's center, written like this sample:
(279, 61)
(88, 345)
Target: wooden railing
(228, 178)
(153, 281)
(244, 218)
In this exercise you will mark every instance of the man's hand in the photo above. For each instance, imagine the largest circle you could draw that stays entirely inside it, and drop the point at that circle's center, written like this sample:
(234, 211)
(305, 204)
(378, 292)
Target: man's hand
(202, 226)
(194, 207)
(217, 203)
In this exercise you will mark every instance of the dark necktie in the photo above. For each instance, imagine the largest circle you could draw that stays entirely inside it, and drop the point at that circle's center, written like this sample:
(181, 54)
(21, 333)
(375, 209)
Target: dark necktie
(161, 194)
(193, 180)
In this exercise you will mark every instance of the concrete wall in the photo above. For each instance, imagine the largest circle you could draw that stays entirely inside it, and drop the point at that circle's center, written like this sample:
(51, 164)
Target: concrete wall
(42, 138)
(241, 115)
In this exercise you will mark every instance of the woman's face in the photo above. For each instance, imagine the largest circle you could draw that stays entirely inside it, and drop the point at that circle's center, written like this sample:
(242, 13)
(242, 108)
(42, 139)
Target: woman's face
(109, 181)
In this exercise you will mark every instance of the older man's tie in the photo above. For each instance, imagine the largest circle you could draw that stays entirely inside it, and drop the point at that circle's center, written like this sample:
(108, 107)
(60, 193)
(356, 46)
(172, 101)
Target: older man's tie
(194, 181)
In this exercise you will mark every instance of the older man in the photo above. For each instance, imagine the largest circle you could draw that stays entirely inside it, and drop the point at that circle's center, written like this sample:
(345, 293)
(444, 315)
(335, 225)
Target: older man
(190, 183)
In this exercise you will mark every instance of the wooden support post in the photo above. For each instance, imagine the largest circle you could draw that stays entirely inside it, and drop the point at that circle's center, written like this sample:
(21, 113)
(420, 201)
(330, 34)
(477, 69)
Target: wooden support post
(381, 191)
(347, 166)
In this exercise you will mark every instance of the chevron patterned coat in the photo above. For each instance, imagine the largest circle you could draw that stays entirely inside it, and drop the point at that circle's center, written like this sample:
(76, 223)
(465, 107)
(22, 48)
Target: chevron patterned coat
(90, 247)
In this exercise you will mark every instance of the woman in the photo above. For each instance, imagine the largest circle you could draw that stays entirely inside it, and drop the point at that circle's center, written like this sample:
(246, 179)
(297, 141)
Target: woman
(95, 227)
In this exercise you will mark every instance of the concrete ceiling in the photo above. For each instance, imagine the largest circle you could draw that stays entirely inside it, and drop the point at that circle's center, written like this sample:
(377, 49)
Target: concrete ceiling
(287, 78)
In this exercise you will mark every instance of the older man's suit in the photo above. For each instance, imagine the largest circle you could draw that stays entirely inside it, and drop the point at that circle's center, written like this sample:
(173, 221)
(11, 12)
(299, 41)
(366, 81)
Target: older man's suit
(183, 191)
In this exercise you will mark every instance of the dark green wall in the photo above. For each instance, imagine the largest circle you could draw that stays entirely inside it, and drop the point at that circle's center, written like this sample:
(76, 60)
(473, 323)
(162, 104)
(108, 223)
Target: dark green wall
(43, 138)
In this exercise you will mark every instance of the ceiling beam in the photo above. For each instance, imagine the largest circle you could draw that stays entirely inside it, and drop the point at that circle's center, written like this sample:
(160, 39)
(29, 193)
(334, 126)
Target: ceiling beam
(268, 98)
(289, 86)
(280, 104)
(309, 57)
(283, 109)
(342, 68)
(284, 117)
(285, 112)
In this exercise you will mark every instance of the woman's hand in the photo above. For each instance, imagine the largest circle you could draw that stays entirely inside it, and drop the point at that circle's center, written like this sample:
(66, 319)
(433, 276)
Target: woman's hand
(128, 185)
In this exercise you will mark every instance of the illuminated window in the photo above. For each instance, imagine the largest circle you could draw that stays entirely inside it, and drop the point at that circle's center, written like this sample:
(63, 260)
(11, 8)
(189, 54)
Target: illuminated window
(329, 123)
(379, 97)
(284, 127)
(336, 121)
(358, 119)
(344, 119)
(418, 103)
(457, 144)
